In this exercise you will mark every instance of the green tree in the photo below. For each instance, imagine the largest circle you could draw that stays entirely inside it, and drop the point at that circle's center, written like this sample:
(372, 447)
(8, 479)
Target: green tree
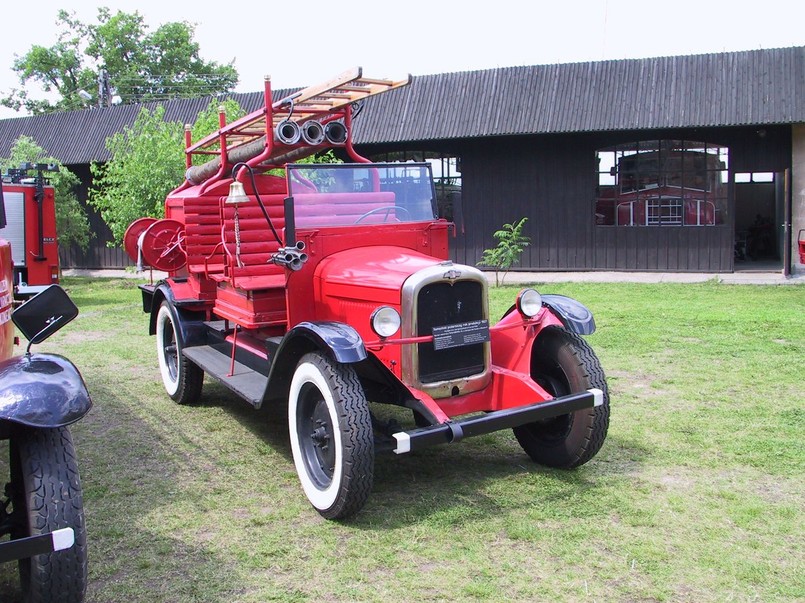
(147, 162)
(207, 121)
(72, 225)
(511, 244)
(119, 56)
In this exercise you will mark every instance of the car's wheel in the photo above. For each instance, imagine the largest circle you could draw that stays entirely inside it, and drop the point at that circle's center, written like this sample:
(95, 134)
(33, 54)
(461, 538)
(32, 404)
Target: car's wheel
(331, 436)
(563, 363)
(182, 378)
(45, 496)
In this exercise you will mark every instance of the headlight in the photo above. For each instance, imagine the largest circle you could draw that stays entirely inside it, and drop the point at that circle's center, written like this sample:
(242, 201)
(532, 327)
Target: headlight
(529, 303)
(385, 321)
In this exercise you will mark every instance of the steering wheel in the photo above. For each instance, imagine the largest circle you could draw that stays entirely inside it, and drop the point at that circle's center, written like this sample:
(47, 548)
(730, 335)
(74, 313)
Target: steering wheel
(386, 209)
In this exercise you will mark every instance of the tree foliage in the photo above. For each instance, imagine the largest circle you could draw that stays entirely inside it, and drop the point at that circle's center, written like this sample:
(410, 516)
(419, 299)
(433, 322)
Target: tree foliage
(207, 122)
(139, 65)
(72, 225)
(147, 162)
(511, 244)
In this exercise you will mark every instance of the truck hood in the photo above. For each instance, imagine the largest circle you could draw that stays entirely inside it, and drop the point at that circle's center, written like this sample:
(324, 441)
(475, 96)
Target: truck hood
(372, 274)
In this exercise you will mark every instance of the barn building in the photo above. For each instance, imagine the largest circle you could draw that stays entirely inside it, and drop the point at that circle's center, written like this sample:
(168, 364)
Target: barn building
(675, 164)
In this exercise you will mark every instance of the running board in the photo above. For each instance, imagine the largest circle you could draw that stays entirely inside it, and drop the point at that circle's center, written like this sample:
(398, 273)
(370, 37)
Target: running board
(455, 431)
(244, 381)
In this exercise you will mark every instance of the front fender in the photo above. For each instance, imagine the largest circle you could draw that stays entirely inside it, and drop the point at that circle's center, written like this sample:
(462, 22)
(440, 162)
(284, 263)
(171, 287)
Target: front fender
(189, 323)
(574, 315)
(42, 390)
(339, 340)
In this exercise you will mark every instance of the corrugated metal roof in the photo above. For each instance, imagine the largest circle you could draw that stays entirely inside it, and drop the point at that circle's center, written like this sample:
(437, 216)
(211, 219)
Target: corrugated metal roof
(76, 137)
(707, 90)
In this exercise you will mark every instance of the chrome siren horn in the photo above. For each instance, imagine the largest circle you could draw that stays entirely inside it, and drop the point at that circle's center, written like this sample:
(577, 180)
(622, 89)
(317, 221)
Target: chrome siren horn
(312, 132)
(335, 132)
(287, 132)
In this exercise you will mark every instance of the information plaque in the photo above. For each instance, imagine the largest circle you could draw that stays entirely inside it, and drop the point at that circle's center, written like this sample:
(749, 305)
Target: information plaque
(458, 335)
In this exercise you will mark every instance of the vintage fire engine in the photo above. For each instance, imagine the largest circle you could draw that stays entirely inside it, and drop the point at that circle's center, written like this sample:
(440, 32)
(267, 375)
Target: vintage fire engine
(41, 504)
(329, 286)
(31, 227)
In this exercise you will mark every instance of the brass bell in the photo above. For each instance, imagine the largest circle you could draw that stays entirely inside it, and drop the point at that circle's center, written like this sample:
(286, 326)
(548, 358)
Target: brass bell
(237, 194)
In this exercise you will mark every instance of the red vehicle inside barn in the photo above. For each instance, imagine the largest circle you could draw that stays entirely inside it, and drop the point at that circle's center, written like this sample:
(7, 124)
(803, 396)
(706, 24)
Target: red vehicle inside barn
(329, 286)
(680, 187)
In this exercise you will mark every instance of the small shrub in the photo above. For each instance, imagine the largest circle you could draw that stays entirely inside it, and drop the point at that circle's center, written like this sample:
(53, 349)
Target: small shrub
(511, 244)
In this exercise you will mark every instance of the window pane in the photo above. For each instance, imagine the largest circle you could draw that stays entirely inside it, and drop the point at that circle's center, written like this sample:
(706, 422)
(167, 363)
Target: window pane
(662, 183)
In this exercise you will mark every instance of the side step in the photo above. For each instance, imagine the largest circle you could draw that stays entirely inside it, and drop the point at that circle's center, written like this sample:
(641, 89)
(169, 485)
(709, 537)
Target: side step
(244, 381)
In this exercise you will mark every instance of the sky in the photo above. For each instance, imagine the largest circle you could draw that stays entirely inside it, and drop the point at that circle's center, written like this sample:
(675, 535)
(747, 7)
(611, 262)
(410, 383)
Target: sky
(306, 42)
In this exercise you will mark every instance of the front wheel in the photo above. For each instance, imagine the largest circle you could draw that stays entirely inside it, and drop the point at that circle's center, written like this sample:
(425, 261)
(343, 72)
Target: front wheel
(563, 363)
(45, 492)
(331, 436)
(182, 378)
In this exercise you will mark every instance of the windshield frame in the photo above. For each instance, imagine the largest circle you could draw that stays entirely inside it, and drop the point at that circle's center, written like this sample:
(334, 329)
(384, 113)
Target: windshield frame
(347, 194)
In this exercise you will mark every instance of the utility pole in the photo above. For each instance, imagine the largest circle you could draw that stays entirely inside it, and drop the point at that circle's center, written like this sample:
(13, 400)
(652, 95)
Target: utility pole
(104, 89)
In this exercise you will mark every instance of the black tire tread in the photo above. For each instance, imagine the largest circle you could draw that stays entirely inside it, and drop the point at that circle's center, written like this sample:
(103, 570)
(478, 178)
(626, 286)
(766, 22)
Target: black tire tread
(192, 382)
(355, 424)
(191, 376)
(54, 499)
(586, 445)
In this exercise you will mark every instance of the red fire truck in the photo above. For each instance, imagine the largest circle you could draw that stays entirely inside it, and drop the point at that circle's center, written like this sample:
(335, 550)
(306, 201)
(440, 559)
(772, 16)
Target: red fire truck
(30, 217)
(325, 287)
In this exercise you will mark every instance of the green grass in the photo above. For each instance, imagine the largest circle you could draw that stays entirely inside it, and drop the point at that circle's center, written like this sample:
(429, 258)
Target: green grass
(697, 494)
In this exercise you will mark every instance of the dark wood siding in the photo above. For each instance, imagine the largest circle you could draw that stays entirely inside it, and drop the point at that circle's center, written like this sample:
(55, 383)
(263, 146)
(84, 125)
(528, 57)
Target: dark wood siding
(551, 180)
(99, 255)
(544, 179)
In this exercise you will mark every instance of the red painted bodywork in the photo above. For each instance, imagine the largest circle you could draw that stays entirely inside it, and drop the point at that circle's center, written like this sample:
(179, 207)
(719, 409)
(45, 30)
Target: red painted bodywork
(41, 268)
(6, 300)
(359, 257)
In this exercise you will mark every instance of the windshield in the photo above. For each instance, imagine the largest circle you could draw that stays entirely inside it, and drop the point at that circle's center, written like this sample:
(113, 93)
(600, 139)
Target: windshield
(363, 193)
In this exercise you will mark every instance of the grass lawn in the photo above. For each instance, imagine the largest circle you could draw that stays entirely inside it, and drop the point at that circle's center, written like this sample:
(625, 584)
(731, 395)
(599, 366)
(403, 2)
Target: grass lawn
(697, 494)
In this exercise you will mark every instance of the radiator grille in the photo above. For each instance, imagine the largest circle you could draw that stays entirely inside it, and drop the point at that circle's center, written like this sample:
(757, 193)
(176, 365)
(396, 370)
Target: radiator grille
(440, 304)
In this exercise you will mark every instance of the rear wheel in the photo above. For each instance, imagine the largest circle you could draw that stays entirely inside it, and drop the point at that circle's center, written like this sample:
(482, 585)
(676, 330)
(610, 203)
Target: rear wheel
(45, 492)
(331, 436)
(564, 364)
(182, 378)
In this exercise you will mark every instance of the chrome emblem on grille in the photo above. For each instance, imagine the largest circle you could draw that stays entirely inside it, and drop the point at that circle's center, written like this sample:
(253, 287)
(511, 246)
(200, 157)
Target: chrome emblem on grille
(452, 275)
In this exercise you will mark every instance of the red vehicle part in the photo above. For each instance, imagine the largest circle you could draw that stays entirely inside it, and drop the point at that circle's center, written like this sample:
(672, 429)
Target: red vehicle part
(31, 230)
(324, 286)
(6, 300)
(801, 243)
(132, 242)
(163, 245)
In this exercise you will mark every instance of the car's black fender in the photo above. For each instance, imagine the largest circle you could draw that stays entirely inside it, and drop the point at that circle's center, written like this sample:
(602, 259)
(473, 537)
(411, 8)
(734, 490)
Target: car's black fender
(338, 340)
(42, 390)
(189, 323)
(574, 315)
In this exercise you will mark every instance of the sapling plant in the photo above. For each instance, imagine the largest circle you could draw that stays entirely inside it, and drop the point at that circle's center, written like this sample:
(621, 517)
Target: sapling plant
(511, 244)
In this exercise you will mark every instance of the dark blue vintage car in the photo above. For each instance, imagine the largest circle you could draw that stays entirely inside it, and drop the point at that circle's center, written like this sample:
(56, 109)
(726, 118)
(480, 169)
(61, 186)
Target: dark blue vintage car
(41, 504)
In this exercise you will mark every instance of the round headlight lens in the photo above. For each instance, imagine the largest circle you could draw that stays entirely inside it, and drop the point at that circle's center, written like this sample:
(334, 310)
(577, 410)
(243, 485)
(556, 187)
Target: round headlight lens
(529, 303)
(385, 321)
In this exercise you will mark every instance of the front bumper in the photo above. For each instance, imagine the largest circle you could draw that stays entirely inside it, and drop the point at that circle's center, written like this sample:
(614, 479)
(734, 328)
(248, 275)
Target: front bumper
(49, 542)
(455, 431)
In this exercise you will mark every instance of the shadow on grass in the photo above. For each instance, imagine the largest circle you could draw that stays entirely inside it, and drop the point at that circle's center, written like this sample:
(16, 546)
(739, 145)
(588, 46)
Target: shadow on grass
(476, 479)
(128, 472)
